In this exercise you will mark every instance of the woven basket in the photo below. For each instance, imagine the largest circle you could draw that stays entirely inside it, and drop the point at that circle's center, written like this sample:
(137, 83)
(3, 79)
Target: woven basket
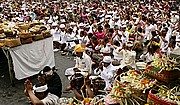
(26, 40)
(46, 34)
(140, 96)
(163, 75)
(24, 26)
(24, 35)
(9, 33)
(37, 37)
(36, 32)
(1, 31)
(154, 100)
(167, 76)
(12, 42)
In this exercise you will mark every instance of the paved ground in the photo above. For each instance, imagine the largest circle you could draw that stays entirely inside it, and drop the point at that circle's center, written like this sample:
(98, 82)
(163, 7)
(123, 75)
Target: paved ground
(14, 95)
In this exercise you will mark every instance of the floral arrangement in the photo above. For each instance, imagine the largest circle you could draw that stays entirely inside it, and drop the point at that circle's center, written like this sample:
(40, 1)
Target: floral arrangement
(124, 90)
(166, 96)
(164, 63)
(137, 81)
(163, 69)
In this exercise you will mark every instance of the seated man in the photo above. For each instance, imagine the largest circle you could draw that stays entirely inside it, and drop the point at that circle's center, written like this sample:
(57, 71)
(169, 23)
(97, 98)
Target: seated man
(53, 81)
(77, 86)
(83, 62)
(129, 56)
(39, 94)
(106, 71)
(96, 83)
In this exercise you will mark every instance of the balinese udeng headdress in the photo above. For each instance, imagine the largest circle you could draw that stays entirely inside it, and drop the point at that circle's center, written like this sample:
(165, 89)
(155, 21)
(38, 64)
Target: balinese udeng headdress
(40, 89)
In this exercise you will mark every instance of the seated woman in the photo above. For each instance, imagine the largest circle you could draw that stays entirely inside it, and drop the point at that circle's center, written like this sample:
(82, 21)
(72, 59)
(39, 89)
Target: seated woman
(104, 47)
(92, 44)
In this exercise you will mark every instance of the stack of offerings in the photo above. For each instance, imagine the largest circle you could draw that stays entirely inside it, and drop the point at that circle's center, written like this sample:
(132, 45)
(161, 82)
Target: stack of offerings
(129, 88)
(36, 32)
(10, 39)
(166, 71)
(24, 33)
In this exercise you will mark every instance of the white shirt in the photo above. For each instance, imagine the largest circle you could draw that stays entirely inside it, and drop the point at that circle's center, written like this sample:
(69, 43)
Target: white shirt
(148, 30)
(56, 35)
(70, 38)
(48, 26)
(84, 64)
(107, 74)
(147, 57)
(163, 44)
(63, 37)
(50, 99)
(129, 58)
(118, 54)
(103, 49)
(124, 38)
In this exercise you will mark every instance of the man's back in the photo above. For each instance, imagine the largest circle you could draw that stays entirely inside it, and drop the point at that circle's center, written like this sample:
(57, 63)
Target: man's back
(50, 99)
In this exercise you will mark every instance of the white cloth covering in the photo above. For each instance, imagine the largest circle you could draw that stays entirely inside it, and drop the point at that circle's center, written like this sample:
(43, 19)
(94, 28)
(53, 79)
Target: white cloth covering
(29, 59)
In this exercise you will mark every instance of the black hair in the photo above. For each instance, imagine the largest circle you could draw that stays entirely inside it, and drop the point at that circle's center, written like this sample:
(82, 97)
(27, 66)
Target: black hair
(42, 28)
(128, 17)
(166, 29)
(82, 33)
(153, 33)
(144, 17)
(127, 68)
(100, 28)
(90, 35)
(99, 82)
(116, 43)
(77, 76)
(96, 79)
(107, 26)
(116, 27)
(41, 73)
(105, 39)
(46, 69)
(130, 25)
(111, 30)
(94, 37)
(140, 29)
(70, 29)
(150, 21)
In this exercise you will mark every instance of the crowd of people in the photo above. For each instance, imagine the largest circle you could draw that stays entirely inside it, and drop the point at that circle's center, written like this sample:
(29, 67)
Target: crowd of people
(98, 33)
